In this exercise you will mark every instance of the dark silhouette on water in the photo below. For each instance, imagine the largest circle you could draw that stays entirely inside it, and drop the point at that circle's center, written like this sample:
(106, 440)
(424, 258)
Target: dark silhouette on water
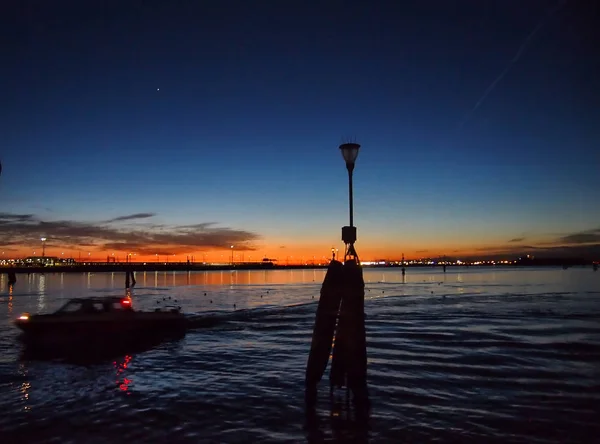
(12, 278)
(323, 331)
(98, 353)
(129, 273)
(342, 298)
(349, 359)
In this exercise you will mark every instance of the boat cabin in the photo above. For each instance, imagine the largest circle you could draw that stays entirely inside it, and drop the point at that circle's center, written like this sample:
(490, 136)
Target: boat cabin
(110, 304)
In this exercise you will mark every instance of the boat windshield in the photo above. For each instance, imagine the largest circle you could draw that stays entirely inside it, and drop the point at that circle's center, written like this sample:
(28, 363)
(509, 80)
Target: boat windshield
(71, 307)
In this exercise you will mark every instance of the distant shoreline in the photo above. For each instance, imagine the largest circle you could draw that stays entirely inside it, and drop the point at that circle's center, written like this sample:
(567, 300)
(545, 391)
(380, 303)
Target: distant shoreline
(141, 267)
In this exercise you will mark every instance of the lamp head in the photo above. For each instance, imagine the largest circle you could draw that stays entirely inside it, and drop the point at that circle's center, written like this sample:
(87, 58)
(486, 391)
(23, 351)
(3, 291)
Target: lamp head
(350, 152)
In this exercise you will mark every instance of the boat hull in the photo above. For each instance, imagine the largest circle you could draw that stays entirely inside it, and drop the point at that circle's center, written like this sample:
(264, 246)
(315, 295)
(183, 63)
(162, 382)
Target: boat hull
(124, 328)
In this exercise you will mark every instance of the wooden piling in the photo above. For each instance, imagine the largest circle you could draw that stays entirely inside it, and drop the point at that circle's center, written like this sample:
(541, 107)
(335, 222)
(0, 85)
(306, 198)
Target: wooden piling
(324, 328)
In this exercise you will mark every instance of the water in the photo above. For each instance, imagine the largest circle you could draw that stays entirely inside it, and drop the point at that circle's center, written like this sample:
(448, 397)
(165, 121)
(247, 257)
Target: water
(475, 355)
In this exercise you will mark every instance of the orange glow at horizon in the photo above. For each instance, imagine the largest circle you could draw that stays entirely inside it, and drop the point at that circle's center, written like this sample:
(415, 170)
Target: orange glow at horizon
(292, 255)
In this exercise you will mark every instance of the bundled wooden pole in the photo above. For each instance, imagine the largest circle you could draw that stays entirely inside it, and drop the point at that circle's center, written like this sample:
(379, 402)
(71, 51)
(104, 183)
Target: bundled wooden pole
(324, 328)
(349, 360)
(343, 292)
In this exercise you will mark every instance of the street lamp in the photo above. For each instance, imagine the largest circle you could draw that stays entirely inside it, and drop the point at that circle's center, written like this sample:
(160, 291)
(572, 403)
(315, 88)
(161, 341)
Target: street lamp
(350, 153)
(43, 239)
(232, 255)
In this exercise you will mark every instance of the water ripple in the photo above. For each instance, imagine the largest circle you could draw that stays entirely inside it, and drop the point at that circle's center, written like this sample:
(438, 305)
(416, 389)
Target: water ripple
(491, 356)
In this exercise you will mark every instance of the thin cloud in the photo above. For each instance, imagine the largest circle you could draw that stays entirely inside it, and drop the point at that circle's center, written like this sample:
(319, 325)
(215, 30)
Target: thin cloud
(582, 237)
(7, 218)
(517, 239)
(132, 217)
(26, 230)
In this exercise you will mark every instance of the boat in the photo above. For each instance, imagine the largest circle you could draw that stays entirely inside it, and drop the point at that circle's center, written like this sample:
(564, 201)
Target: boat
(100, 323)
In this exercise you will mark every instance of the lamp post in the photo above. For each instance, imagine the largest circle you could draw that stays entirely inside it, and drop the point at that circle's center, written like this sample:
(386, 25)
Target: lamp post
(350, 153)
(43, 239)
(232, 255)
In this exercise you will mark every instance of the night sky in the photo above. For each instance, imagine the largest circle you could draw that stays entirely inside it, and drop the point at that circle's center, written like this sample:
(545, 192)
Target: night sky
(183, 127)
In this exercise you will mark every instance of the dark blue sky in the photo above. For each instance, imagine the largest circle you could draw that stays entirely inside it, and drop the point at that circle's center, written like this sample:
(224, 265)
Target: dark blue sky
(231, 112)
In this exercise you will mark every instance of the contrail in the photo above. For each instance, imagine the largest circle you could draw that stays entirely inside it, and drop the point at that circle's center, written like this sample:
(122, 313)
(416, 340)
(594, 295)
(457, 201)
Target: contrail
(514, 60)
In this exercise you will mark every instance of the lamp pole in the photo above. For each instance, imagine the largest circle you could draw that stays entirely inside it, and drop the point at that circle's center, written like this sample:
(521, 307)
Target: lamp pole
(350, 153)
(232, 255)
(43, 239)
(350, 168)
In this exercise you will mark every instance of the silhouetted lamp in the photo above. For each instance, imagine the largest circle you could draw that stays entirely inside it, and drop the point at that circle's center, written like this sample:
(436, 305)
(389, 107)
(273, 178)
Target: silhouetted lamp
(350, 153)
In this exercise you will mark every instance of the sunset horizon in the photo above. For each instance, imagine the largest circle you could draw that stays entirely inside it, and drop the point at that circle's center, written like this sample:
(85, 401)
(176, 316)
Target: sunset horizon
(129, 238)
(181, 139)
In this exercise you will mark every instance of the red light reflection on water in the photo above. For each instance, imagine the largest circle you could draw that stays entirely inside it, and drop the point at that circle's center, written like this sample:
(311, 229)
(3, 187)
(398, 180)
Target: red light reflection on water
(123, 384)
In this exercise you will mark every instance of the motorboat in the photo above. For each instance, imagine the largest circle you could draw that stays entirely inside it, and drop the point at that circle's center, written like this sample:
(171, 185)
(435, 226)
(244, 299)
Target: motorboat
(101, 322)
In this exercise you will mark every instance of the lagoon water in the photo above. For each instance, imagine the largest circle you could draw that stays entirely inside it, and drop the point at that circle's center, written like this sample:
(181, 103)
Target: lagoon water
(473, 355)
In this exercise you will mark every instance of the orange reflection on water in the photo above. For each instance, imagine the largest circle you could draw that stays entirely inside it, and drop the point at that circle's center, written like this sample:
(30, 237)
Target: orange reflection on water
(24, 388)
(10, 299)
(238, 277)
(123, 383)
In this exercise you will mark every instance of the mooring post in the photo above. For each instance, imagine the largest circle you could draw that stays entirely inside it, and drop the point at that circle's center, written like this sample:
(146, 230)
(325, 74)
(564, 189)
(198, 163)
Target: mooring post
(323, 330)
(342, 299)
(12, 278)
(129, 278)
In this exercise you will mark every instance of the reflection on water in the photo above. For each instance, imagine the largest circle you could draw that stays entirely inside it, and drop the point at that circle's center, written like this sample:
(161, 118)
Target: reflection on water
(340, 423)
(24, 388)
(10, 299)
(41, 289)
(122, 380)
